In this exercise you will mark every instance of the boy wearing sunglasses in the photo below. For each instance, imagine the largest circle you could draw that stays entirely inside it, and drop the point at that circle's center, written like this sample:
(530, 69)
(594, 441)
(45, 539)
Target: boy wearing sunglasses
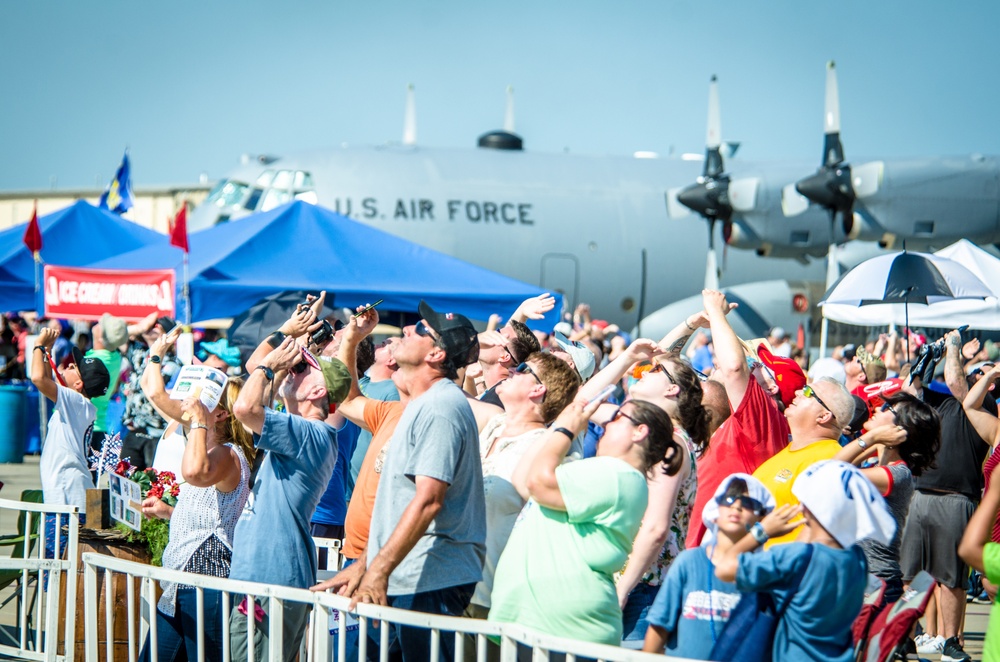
(693, 605)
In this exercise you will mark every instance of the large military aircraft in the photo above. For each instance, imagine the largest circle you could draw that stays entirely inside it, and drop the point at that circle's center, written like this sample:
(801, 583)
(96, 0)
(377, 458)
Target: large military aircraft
(619, 232)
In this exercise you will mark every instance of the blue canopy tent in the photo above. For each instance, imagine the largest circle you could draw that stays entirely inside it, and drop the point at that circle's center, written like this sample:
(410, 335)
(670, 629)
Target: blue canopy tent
(300, 246)
(72, 237)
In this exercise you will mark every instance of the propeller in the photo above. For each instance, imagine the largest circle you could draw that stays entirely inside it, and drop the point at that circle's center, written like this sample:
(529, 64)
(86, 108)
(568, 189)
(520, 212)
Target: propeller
(710, 195)
(410, 119)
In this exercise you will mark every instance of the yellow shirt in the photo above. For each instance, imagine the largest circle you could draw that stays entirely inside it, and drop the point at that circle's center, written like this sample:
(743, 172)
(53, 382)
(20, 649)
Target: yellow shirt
(779, 473)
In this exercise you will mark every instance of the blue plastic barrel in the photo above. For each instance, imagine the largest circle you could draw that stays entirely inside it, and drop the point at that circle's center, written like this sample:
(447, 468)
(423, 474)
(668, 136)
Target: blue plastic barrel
(33, 424)
(13, 423)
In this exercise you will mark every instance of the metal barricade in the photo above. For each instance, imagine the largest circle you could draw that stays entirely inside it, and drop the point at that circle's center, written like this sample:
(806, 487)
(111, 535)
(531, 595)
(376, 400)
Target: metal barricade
(37, 581)
(317, 643)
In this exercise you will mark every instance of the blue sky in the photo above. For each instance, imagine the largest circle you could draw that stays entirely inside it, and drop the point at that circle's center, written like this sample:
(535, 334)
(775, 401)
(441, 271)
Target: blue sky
(190, 86)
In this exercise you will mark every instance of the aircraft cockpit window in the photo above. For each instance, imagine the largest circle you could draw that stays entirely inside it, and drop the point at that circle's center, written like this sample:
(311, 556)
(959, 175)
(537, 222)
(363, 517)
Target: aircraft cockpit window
(282, 179)
(254, 198)
(273, 198)
(228, 194)
(303, 179)
(265, 178)
(307, 196)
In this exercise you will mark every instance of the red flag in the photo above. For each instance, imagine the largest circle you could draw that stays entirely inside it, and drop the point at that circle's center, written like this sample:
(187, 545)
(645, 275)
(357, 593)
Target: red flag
(178, 230)
(32, 234)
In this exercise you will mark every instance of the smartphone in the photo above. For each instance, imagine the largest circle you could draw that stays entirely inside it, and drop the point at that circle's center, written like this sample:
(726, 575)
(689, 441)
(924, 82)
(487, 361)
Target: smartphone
(367, 308)
(603, 395)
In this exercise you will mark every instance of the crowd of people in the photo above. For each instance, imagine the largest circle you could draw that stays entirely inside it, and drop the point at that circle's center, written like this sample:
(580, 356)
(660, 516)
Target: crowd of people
(632, 492)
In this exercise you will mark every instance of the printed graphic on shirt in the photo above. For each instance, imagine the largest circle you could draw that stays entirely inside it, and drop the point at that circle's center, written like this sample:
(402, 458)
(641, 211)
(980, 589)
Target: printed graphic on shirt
(702, 606)
(783, 476)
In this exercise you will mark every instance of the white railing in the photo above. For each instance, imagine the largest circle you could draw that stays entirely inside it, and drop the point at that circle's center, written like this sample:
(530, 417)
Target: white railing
(35, 638)
(317, 643)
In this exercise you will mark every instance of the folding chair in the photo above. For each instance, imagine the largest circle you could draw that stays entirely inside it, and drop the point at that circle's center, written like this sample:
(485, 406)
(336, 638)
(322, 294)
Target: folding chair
(891, 628)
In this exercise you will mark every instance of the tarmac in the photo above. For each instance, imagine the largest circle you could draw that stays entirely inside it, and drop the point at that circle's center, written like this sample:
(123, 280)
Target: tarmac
(18, 477)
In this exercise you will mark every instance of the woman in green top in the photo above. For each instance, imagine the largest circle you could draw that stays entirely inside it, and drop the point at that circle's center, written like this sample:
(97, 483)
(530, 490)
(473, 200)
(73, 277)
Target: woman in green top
(555, 574)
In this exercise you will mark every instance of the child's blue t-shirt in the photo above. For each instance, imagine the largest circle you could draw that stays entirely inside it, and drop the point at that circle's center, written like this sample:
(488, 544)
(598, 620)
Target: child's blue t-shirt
(817, 623)
(693, 605)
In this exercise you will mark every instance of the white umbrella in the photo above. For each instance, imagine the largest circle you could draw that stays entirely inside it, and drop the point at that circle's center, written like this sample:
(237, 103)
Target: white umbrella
(903, 279)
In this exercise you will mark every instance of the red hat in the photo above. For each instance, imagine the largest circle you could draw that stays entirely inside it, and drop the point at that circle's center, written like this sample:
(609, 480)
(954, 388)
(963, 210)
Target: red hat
(787, 373)
(874, 394)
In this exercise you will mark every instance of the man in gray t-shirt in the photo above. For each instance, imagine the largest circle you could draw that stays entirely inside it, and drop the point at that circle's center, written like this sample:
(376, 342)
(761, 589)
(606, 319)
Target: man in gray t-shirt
(428, 529)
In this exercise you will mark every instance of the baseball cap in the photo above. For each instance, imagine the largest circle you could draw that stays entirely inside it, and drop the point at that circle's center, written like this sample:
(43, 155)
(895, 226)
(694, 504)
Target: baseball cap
(114, 331)
(583, 358)
(337, 378)
(873, 366)
(787, 373)
(456, 335)
(94, 374)
(779, 333)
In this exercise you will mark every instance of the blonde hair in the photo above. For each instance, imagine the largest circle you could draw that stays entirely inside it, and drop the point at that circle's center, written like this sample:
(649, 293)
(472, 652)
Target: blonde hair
(232, 430)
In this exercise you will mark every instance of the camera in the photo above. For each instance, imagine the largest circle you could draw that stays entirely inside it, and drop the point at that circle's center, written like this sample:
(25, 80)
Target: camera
(323, 334)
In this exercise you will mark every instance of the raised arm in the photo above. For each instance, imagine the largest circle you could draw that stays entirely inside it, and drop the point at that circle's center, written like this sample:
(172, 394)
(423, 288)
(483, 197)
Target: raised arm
(535, 475)
(986, 424)
(41, 371)
(954, 375)
(200, 466)
(303, 320)
(732, 368)
(257, 392)
(356, 330)
(151, 381)
(979, 531)
(868, 443)
(534, 308)
(641, 349)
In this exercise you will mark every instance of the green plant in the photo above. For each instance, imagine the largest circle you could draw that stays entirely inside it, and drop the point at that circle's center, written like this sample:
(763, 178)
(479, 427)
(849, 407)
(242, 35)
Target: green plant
(154, 535)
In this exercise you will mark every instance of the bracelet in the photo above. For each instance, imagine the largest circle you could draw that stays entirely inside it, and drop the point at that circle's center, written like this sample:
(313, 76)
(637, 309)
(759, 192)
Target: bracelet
(155, 359)
(42, 347)
(199, 426)
(688, 325)
(861, 442)
(565, 432)
(758, 533)
(268, 373)
(275, 339)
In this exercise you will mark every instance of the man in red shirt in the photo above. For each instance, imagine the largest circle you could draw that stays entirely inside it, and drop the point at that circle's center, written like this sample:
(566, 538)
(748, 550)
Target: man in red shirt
(757, 429)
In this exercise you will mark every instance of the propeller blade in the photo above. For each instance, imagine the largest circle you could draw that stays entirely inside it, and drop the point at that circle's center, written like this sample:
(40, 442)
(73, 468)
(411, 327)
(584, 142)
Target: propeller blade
(508, 118)
(711, 271)
(675, 208)
(713, 133)
(833, 150)
(832, 266)
(410, 120)
(793, 203)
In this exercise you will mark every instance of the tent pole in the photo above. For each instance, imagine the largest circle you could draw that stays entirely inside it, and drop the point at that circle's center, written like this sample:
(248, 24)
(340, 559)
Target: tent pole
(187, 293)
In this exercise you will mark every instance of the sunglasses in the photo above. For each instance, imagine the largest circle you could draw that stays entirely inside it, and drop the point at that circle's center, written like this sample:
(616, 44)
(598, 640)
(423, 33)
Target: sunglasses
(308, 361)
(621, 414)
(640, 370)
(746, 503)
(887, 407)
(422, 329)
(810, 392)
(524, 368)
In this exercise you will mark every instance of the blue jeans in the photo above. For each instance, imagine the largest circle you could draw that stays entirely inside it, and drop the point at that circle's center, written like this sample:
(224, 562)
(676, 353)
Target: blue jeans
(415, 643)
(177, 635)
(634, 623)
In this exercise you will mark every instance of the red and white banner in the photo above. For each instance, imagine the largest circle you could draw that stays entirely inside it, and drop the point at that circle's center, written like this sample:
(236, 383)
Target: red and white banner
(72, 293)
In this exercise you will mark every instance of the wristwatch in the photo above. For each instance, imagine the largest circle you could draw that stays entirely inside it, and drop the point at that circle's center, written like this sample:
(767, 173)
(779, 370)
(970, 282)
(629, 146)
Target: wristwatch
(268, 373)
(862, 443)
(758, 533)
(153, 358)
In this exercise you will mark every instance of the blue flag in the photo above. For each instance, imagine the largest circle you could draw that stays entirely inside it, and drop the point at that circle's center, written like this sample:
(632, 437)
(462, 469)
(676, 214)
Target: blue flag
(118, 196)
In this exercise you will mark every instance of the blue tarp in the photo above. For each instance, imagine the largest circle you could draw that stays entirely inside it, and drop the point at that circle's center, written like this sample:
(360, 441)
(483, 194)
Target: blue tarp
(300, 246)
(72, 237)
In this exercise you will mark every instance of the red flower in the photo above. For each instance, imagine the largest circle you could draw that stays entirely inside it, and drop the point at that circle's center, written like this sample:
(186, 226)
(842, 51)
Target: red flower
(167, 477)
(122, 468)
(175, 490)
(155, 491)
